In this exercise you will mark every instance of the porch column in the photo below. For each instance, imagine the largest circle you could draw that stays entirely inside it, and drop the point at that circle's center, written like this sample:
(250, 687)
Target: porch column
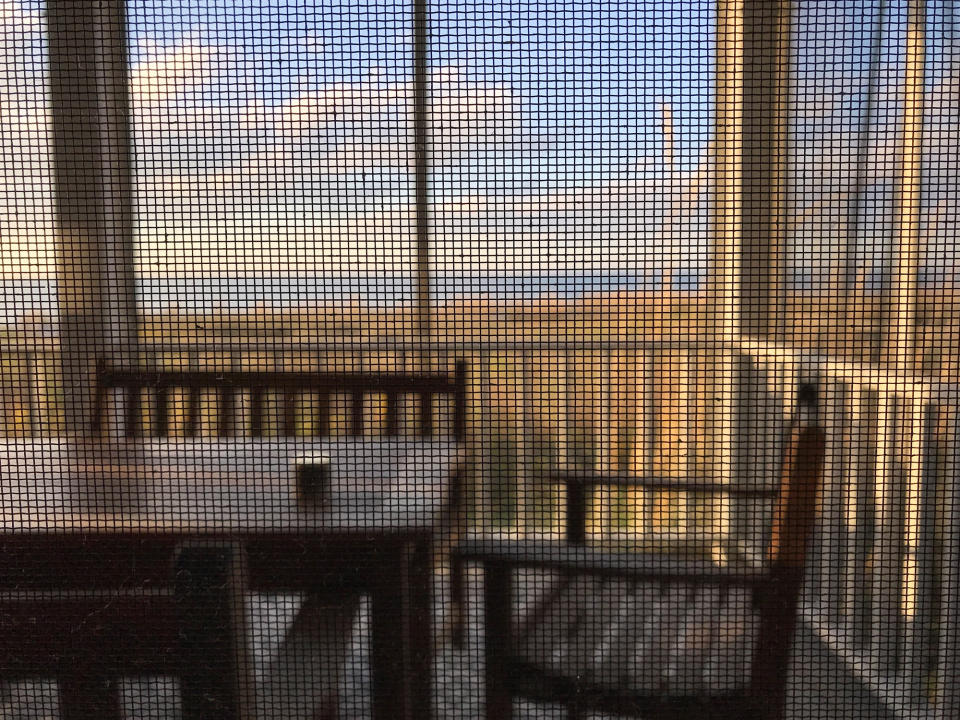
(92, 177)
(421, 132)
(900, 344)
(747, 283)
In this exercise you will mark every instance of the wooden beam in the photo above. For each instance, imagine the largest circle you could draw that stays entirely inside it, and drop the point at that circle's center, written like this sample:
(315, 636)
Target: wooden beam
(92, 178)
(900, 346)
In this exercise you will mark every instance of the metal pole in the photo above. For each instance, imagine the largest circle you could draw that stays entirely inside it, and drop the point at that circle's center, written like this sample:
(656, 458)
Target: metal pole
(421, 130)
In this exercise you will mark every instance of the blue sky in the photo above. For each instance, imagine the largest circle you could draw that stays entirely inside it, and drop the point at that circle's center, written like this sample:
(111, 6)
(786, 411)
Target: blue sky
(276, 136)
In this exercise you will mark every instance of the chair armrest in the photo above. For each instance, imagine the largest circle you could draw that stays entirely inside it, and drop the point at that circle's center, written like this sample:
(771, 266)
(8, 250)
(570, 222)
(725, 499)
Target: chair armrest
(577, 482)
(570, 558)
(592, 478)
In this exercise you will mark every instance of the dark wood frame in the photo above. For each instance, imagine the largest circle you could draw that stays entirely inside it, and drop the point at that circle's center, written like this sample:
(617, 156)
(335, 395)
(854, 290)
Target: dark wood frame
(96, 625)
(290, 386)
(776, 585)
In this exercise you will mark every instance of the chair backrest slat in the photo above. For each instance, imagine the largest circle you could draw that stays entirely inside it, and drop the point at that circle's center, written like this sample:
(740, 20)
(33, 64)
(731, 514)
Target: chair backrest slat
(356, 413)
(391, 415)
(132, 411)
(291, 387)
(289, 428)
(226, 411)
(256, 412)
(193, 412)
(161, 416)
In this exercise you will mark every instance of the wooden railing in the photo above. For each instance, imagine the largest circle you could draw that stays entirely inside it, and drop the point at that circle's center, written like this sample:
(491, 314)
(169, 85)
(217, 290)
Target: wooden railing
(884, 591)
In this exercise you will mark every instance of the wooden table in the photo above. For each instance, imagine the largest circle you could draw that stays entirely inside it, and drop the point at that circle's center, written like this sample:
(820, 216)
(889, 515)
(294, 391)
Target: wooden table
(77, 514)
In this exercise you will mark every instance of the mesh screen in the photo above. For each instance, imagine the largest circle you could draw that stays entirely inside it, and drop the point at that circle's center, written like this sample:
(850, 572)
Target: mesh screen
(456, 359)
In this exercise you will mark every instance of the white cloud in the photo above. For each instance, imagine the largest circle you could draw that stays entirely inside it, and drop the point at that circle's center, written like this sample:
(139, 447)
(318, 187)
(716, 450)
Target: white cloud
(172, 72)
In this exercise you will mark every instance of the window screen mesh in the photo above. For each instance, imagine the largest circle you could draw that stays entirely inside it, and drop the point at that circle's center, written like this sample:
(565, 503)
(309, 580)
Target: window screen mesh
(459, 359)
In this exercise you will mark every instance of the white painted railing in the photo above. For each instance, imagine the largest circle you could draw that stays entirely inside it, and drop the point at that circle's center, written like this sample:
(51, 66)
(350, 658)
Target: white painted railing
(884, 590)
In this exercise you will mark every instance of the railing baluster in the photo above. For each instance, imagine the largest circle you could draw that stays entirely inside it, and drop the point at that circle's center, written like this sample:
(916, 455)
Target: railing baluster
(291, 410)
(920, 544)
(648, 435)
(526, 507)
(948, 655)
(33, 418)
(562, 389)
(836, 478)
(603, 428)
(322, 419)
(193, 412)
(887, 562)
(484, 509)
(857, 518)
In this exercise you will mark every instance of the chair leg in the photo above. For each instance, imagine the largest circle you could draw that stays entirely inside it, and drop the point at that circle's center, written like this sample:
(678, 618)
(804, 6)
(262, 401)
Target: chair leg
(458, 621)
(497, 602)
(88, 695)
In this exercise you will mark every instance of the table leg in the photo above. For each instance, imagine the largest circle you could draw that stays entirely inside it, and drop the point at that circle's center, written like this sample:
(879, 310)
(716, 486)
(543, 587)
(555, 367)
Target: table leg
(401, 643)
(86, 694)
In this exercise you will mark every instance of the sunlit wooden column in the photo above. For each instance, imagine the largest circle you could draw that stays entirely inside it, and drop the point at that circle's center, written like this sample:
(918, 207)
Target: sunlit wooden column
(746, 285)
(763, 149)
(92, 176)
(900, 341)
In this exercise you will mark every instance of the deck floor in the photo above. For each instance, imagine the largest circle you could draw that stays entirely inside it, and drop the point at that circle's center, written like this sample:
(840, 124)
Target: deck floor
(820, 686)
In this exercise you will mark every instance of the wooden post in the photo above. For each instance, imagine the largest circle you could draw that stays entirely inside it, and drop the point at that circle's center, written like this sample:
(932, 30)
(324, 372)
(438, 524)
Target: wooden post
(92, 177)
(763, 136)
(752, 94)
(900, 346)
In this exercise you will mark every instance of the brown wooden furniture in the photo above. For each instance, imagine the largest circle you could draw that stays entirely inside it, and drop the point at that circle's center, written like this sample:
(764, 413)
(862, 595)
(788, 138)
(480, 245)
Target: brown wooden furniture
(86, 516)
(87, 628)
(294, 394)
(649, 635)
(290, 388)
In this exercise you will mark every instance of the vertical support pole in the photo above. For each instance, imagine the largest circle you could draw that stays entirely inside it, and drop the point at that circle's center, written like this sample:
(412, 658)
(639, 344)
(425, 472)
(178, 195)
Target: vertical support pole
(920, 547)
(33, 393)
(752, 97)
(603, 437)
(724, 271)
(887, 554)
(836, 478)
(526, 491)
(900, 348)
(858, 516)
(763, 135)
(483, 511)
(92, 179)
(647, 445)
(948, 658)
(421, 129)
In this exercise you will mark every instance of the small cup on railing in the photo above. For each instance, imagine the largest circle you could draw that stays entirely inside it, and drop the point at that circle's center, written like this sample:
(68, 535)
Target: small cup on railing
(312, 475)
